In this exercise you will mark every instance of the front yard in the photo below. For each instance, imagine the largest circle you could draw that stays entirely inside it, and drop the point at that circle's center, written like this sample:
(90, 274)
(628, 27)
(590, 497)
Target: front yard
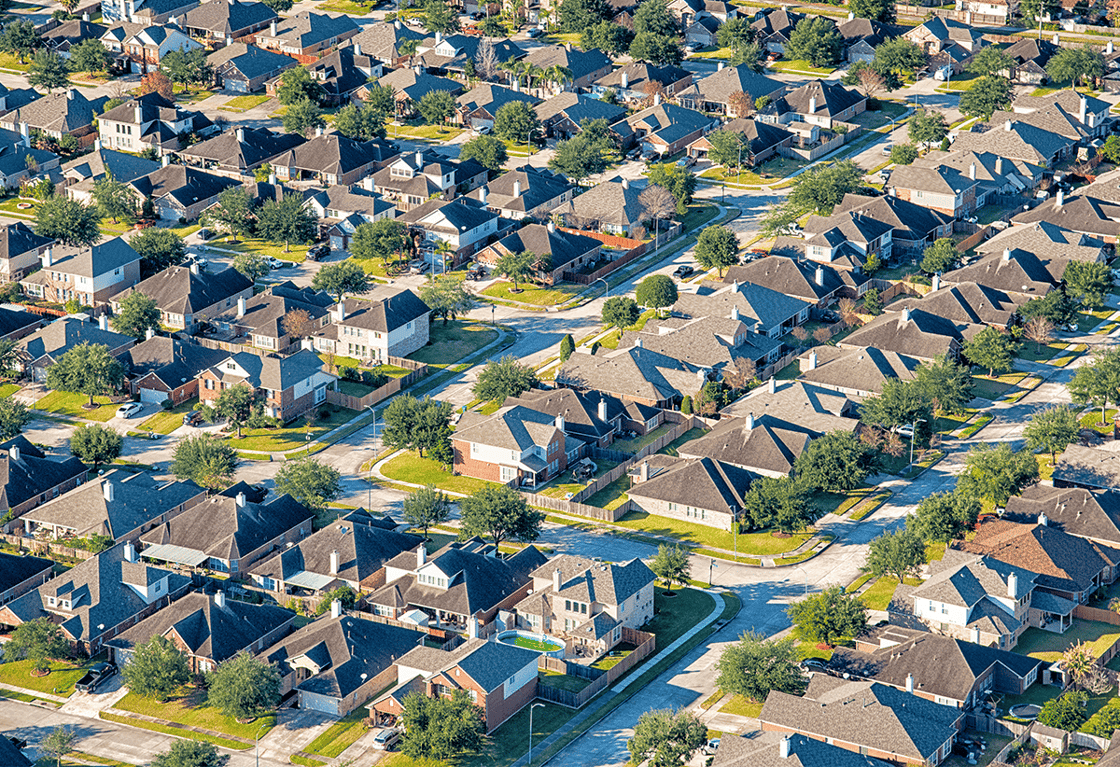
(757, 543)
(189, 708)
(999, 386)
(536, 295)
(294, 435)
(415, 129)
(410, 467)
(1086, 321)
(60, 681)
(1048, 646)
(67, 403)
(167, 421)
(296, 252)
(447, 344)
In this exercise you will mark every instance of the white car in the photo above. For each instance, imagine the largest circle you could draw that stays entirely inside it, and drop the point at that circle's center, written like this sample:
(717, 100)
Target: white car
(386, 739)
(275, 263)
(129, 409)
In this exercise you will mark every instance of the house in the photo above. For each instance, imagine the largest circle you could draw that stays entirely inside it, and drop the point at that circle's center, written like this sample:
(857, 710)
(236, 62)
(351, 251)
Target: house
(65, 112)
(690, 11)
(259, 321)
(642, 80)
(720, 92)
(1087, 467)
(15, 325)
(858, 372)
(1046, 241)
(449, 54)
(563, 115)
(1021, 141)
(99, 598)
(413, 178)
(207, 629)
(30, 478)
(351, 551)
(773, 28)
(43, 348)
(633, 374)
(499, 678)
(815, 283)
(940, 188)
(146, 12)
(515, 443)
(161, 368)
(1090, 514)
(1088, 113)
(771, 749)
(1019, 273)
(240, 151)
(150, 121)
(700, 491)
(69, 33)
(1083, 213)
(464, 225)
(561, 251)
(993, 11)
(90, 275)
(14, 98)
(115, 505)
(306, 33)
(847, 241)
(754, 445)
(19, 574)
(228, 533)
(525, 192)
(220, 22)
(335, 663)
(244, 68)
(1030, 57)
(942, 669)
(342, 209)
(913, 227)
(798, 406)
(818, 103)
(340, 73)
(461, 587)
(666, 129)
(966, 303)
(913, 333)
(611, 207)
(333, 159)
(995, 176)
(147, 45)
(764, 311)
(712, 342)
(410, 85)
(386, 322)
(82, 173)
(383, 41)
(860, 37)
(19, 165)
(21, 250)
(181, 192)
(585, 66)
(187, 296)
(290, 386)
(587, 603)
(761, 141)
(702, 32)
(867, 717)
(478, 107)
(948, 44)
(590, 418)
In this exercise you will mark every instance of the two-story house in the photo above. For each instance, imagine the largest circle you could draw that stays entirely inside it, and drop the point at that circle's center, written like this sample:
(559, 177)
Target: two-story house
(306, 33)
(525, 192)
(65, 112)
(764, 311)
(942, 188)
(162, 368)
(147, 46)
(21, 250)
(29, 478)
(411, 179)
(223, 21)
(239, 151)
(333, 159)
(847, 240)
(89, 275)
(42, 348)
(180, 192)
(515, 443)
(289, 386)
(260, 320)
(150, 121)
(463, 224)
(641, 80)
(186, 296)
(388, 322)
(342, 209)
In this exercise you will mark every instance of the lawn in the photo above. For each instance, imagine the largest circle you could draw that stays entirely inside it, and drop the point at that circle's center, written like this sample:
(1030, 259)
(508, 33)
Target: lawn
(673, 447)
(8, 389)
(1086, 321)
(878, 596)
(742, 706)
(632, 446)
(533, 294)
(775, 168)
(1038, 694)
(800, 66)
(562, 681)
(510, 741)
(711, 52)
(244, 103)
(612, 496)
(566, 483)
(167, 421)
(697, 215)
(59, 682)
(1029, 351)
(410, 467)
(66, 403)
(415, 130)
(1049, 647)
(447, 344)
(673, 616)
(295, 435)
(340, 735)
(1091, 419)
(994, 388)
(189, 708)
(347, 7)
(296, 252)
(166, 729)
(8, 61)
(759, 544)
(961, 82)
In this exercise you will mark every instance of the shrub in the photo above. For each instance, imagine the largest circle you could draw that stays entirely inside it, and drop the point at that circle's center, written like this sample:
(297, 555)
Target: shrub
(375, 378)
(167, 404)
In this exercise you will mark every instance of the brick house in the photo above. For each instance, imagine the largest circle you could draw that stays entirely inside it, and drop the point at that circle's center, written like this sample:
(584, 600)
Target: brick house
(91, 275)
(701, 491)
(31, 479)
(41, 349)
(21, 573)
(290, 385)
(162, 368)
(513, 444)
(185, 296)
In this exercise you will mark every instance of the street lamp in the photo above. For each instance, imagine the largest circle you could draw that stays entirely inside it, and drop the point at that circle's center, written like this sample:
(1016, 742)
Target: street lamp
(805, 575)
(711, 564)
(606, 286)
(913, 435)
(258, 747)
(535, 705)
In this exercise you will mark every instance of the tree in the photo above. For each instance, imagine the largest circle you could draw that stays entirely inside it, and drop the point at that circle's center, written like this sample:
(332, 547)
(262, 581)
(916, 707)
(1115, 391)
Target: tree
(991, 349)
(657, 203)
(620, 312)
(244, 687)
(192, 753)
(286, 220)
(904, 154)
(516, 266)
(515, 121)
(946, 385)
(717, 248)
(342, 277)
(779, 502)
(585, 153)
(666, 738)
(1111, 149)
(296, 84)
(567, 347)
(13, 417)
(835, 462)
(1087, 282)
(876, 10)
(1040, 330)
(441, 728)
(426, 507)
(820, 188)
(671, 565)
(86, 369)
(503, 378)
(1073, 65)
(311, 482)
(580, 15)
(612, 39)
(158, 249)
(729, 148)
(899, 56)
(1066, 712)
(412, 424)
(656, 49)
(899, 403)
(1055, 306)
(1052, 430)
(48, 70)
(136, 316)
(657, 291)
(187, 67)
(446, 297)
(755, 665)
(680, 181)
(157, 82)
(928, 127)
(234, 211)
(38, 641)
(996, 472)
(19, 38)
(381, 239)
(235, 404)
(815, 39)
(302, 116)
(487, 151)
(500, 512)
(736, 32)
(436, 107)
(987, 95)
(1092, 384)
(205, 459)
(297, 323)
(990, 61)
(58, 743)
(362, 122)
(156, 669)
(828, 617)
(941, 256)
(942, 517)
(899, 553)
(68, 221)
(655, 18)
(95, 444)
(90, 56)
(252, 265)
(439, 17)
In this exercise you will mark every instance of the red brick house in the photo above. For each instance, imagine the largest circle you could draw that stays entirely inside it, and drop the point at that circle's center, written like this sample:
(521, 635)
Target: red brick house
(515, 443)
(289, 385)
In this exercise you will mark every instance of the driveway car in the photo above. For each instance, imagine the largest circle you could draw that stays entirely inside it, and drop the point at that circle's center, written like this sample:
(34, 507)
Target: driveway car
(129, 409)
(97, 674)
(386, 739)
(193, 418)
(683, 271)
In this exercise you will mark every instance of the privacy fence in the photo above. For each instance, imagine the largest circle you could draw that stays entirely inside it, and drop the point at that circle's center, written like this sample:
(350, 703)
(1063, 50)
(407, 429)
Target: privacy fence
(644, 646)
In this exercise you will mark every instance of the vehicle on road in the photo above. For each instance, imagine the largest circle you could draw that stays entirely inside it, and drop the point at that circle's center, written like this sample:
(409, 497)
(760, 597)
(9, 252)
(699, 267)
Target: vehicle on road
(204, 234)
(535, 32)
(315, 252)
(386, 739)
(97, 674)
(887, 150)
(193, 418)
(683, 271)
(129, 409)
(813, 664)
(276, 263)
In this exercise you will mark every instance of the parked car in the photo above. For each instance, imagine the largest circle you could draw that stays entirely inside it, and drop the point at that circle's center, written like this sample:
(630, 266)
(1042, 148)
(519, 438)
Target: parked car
(686, 162)
(276, 263)
(386, 739)
(887, 150)
(683, 271)
(535, 32)
(420, 267)
(204, 234)
(193, 418)
(97, 674)
(315, 252)
(129, 409)
(711, 746)
(813, 664)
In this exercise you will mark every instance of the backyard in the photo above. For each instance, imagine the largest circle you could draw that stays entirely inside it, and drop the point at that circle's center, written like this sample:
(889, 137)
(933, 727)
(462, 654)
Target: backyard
(566, 484)
(1049, 646)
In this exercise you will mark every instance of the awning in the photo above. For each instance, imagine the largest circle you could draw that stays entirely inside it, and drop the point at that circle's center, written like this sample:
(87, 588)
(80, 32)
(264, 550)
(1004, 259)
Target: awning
(1051, 603)
(313, 581)
(180, 555)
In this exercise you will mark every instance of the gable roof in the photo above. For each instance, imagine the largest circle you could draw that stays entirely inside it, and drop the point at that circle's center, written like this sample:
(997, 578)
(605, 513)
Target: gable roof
(1093, 514)
(580, 63)
(250, 60)
(764, 749)
(611, 202)
(1013, 271)
(724, 83)
(19, 568)
(64, 111)
(966, 302)
(513, 428)
(489, 664)
(640, 73)
(276, 373)
(243, 147)
(799, 406)
(264, 312)
(225, 17)
(863, 369)
(185, 185)
(386, 309)
(708, 342)
(669, 122)
(524, 189)
(807, 281)
(64, 334)
(93, 261)
(589, 580)
(95, 165)
(632, 372)
(172, 361)
(829, 99)
(909, 220)
(578, 107)
(491, 98)
(767, 308)
(416, 85)
(1088, 466)
(180, 290)
(335, 154)
(560, 247)
(382, 39)
(914, 333)
(701, 483)
(307, 29)
(758, 445)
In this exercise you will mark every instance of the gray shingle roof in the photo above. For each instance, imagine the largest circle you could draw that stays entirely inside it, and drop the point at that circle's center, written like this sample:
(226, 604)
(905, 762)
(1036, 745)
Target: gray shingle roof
(511, 428)
(491, 98)
(307, 29)
(767, 308)
(243, 147)
(912, 333)
(276, 373)
(102, 258)
(766, 447)
(578, 107)
(588, 580)
(32, 473)
(611, 202)
(335, 154)
(561, 247)
(16, 569)
(226, 17)
(719, 87)
(701, 483)
(632, 373)
(1085, 513)
(798, 406)
(178, 290)
(64, 111)
(764, 750)
(865, 369)
(64, 334)
(249, 60)
(966, 302)
(386, 309)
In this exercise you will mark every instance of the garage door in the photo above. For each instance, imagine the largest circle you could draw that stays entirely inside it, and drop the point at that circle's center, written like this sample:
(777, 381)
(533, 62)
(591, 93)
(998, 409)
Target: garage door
(312, 702)
(151, 395)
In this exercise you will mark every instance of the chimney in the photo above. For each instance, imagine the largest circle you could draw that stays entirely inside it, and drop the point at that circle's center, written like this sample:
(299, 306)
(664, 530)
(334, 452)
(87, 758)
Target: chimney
(48, 256)
(1007, 254)
(240, 500)
(625, 183)
(516, 188)
(602, 410)
(1061, 199)
(149, 334)
(909, 683)
(129, 552)
(749, 425)
(319, 131)
(812, 360)
(336, 609)
(515, 84)
(905, 315)
(419, 159)
(625, 80)
(272, 179)
(551, 225)
(701, 378)
(937, 281)
(421, 556)
(657, 99)
(999, 166)
(643, 471)
(219, 599)
(1007, 126)
(397, 24)
(357, 49)
(165, 161)
(97, 145)
(1108, 48)
(194, 267)
(439, 37)
(334, 562)
(103, 322)
(240, 134)
(1056, 39)
(367, 183)
(556, 580)
(139, 115)
(340, 310)
(70, 94)
(773, 385)
(783, 747)
(735, 313)
(1083, 107)
(818, 276)
(972, 171)
(25, 132)
(560, 422)
(241, 307)
(719, 67)
(851, 15)
(567, 46)
(272, 28)
(483, 193)
(813, 105)
(1013, 586)
(638, 343)
(13, 453)
(85, 17)
(1043, 520)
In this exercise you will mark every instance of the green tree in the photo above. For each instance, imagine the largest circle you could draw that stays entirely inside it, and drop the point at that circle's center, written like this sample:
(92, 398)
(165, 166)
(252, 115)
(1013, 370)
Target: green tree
(516, 266)
(579, 15)
(729, 148)
(620, 312)
(736, 32)
(1075, 65)
(904, 154)
(835, 462)
(567, 347)
(1066, 712)
(612, 39)
(666, 738)
(671, 565)
(234, 404)
(656, 49)
(503, 378)
(500, 512)
(584, 154)
(426, 507)
(899, 403)
(815, 39)
(755, 665)
(487, 151)
(244, 687)
(946, 385)
(303, 116)
(13, 417)
(657, 291)
(941, 256)
(193, 753)
(780, 502)
(68, 221)
(340, 278)
(899, 553)
(90, 56)
(655, 18)
(296, 84)
(677, 180)
(234, 211)
(156, 669)
(286, 220)
(876, 10)
(19, 38)
(362, 122)
(205, 459)
(996, 472)
(987, 95)
(436, 107)
(990, 61)
(1097, 383)
(440, 17)
(1052, 430)
(252, 265)
(158, 249)
(59, 742)
(413, 424)
(187, 67)
(899, 56)
(828, 617)
(382, 239)
(1087, 282)
(717, 248)
(991, 349)
(820, 188)
(1111, 149)
(441, 728)
(928, 127)
(86, 369)
(136, 316)
(515, 121)
(48, 70)
(942, 517)
(446, 297)
(311, 482)
(38, 641)
(1055, 306)
(95, 444)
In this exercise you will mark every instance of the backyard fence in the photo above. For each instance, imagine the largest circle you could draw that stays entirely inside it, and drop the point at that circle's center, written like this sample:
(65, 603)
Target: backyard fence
(812, 153)
(776, 367)
(382, 392)
(644, 645)
(973, 240)
(45, 548)
(994, 726)
(44, 311)
(1019, 739)
(636, 249)
(1096, 614)
(571, 507)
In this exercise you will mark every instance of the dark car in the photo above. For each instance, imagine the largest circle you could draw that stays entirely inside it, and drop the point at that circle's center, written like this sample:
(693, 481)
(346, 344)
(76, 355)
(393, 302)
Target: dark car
(813, 664)
(193, 418)
(535, 32)
(315, 252)
(97, 674)
(683, 271)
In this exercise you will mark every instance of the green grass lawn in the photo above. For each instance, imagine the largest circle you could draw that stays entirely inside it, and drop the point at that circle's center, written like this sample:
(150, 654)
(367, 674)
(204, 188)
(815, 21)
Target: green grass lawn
(8, 61)
(1086, 321)
(799, 65)
(510, 741)
(167, 421)
(244, 103)
(742, 706)
(189, 708)
(632, 446)
(697, 215)
(759, 543)
(416, 130)
(294, 435)
(217, 740)
(774, 168)
(612, 496)
(1049, 647)
(410, 467)
(340, 735)
(447, 344)
(8, 389)
(961, 82)
(712, 52)
(878, 596)
(66, 403)
(533, 294)
(347, 7)
(566, 483)
(673, 448)
(1029, 351)
(673, 616)
(994, 388)
(1091, 419)
(296, 252)
(59, 682)
(562, 681)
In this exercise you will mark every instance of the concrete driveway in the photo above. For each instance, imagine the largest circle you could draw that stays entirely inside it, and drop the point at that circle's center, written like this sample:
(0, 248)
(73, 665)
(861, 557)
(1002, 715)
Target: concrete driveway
(125, 425)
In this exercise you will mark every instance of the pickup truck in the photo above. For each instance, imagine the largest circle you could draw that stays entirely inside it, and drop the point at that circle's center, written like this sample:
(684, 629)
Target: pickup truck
(97, 674)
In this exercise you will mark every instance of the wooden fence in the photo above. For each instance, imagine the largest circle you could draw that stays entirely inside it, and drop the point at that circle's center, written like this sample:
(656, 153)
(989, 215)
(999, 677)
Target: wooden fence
(644, 645)
(812, 153)
(634, 252)
(1096, 614)
(44, 311)
(382, 392)
(571, 507)
(775, 367)
(45, 548)
(973, 240)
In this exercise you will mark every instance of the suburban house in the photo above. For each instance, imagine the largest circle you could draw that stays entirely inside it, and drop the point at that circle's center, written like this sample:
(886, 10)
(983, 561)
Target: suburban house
(1046, 241)
(389, 322)
(941, 188)
(306, 33)
(564, 251)
(966, 303)
(859, 372)
(847, 240)
(860, 37)
(1030, 56)
(207, 629)
(1019, 140)
(99, 598)
(228, 534)
(761, 141)
(81, 174)
(759, 446)
(710, 342)
(239, 151)
(21, 250)
(412, 179)
(585, 66)
(19, 165)
(948, 44)
(146, 45)
(244, 68)
(150, 121)
(450, 54)
(180, 192)
(913, 333)
(563, 115)
(463, 225)
(146, 12)
(1087, 467)
(764, 311)
(383, 41)
(666, 129)
(410, 85)
(701, 491)
(289, 386)
(772, 749)
(161, 368)
(1067, 106)
(611, 207)
(641, 80)
(333, 160)
(1017, 272)
(798, 406)
(65, 112)
(259, 321)
(525, 192)
(994, 175)
(515, 443)
(89, 275)
(30, 478)
(188, 295)
(342, 209)
(19, 574)
(478, 107)
(720, 92)
(913, 227)
(15, 325)
(819, 103)
(633, 374)
(1090, 514)
(1085, 213)
(68, 34)
(340, 73)
(42, 348)
(816, 283)
(223, 21)
(590, 418)
(773, 28)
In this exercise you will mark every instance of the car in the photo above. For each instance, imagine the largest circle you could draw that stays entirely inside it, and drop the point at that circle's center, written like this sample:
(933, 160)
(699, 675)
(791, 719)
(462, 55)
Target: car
(129, 409)
(813, 664)
(476, 16)
(275, 263)
(420, 267)
(192, 418)
(315, 252)
(204, 234)
(711, 746)
(686, 162)
(887, 150)
(386, 739)
(535, 32)
(193, 259)
(97, 674)
(683, 271)
(906, 430)
(635, 154)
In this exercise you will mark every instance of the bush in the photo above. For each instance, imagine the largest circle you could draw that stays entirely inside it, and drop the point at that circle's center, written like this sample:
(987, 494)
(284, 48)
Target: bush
(167, 404)
(375, 378)
(348, 373)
